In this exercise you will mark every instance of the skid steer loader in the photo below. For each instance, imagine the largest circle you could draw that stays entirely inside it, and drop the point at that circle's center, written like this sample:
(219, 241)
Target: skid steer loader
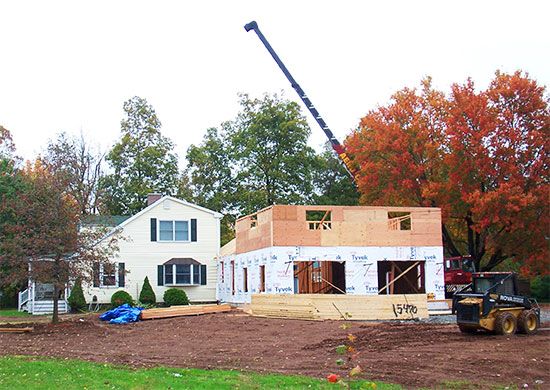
(492, 302)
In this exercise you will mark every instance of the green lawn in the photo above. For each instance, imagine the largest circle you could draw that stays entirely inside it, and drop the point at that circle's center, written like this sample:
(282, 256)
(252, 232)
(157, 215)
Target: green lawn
(18, 372)
(13, 313)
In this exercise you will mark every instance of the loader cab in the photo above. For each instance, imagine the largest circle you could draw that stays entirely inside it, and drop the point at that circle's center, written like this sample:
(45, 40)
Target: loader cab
(503, 282)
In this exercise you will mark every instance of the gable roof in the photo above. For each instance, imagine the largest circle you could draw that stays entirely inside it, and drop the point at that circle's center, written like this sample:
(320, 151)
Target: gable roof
(158, 202)
(155, 204)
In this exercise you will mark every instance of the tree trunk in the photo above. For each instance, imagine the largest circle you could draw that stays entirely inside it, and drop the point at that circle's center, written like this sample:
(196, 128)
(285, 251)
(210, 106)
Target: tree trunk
(55, 315)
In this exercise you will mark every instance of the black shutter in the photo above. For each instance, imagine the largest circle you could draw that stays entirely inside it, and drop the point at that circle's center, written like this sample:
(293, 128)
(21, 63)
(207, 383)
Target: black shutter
(203, 274)
(95, 274)
(160, 275)
(193, 230)
(121, 274)
(153, 229)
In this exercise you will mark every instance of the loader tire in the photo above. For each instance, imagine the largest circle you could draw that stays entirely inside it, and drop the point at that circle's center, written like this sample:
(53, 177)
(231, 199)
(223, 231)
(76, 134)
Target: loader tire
(505, 323)
(467, 329)
(528, 322)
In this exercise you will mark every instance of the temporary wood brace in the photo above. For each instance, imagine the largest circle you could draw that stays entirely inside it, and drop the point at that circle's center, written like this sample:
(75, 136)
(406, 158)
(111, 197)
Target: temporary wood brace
(391, 282)
(177, 311)
(336, 307)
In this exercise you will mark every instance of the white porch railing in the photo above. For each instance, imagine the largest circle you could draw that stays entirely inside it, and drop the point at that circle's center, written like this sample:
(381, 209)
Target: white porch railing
(29, 302)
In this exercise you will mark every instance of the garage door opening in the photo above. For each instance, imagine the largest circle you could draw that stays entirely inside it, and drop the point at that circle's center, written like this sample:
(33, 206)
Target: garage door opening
(401, 277)
(320, 277)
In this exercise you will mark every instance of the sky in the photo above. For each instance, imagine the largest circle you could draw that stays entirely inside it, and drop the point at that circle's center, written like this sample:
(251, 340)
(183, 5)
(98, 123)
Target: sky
(70, 65)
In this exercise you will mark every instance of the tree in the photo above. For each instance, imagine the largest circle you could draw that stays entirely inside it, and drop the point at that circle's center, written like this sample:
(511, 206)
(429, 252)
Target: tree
(142, 161)
(333, 184)
(258, 159)
(43, 240)
(76, 300)
(147, 294)
(78, 164)
(273, 162)
(480, 156)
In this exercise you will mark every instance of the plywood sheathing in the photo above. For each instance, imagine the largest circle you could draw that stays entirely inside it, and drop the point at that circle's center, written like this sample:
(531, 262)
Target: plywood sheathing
(286, 225)
(335, 307)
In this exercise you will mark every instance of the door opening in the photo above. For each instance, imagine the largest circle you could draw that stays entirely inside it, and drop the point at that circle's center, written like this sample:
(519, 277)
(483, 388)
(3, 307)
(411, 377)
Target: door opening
(320, 277)
(401, 277)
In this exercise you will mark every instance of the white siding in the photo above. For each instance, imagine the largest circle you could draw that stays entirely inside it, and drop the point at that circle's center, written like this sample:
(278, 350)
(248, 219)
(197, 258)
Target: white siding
(142, 256)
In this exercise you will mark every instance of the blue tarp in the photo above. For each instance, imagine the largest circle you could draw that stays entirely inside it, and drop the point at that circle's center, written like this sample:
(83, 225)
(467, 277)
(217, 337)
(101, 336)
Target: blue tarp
(122, 314)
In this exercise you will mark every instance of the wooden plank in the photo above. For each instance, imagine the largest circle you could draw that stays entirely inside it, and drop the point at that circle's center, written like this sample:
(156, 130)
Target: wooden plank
(16, 330)
(177, 311)
(329, 306)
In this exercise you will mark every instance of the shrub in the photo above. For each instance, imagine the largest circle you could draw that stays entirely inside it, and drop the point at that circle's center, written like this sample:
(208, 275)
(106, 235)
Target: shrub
(120, 298)
(147, 295)
(76, 299)
(174, 296)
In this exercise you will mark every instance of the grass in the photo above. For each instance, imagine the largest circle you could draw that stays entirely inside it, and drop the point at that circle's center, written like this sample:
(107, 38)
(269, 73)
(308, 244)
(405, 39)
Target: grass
(13, 313)
(18, 372)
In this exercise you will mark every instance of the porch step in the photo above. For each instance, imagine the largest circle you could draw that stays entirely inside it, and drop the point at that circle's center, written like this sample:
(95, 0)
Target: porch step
(46, 307)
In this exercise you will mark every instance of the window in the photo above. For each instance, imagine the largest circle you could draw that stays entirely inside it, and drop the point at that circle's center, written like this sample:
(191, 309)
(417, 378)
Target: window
(173, 230)
(169, 274)
(196, 275)
(182, 274)
(108, 275)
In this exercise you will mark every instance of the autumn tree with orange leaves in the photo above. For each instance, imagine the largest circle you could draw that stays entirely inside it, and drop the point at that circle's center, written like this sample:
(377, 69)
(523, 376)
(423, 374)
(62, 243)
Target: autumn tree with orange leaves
(40, 234)
(482, 156)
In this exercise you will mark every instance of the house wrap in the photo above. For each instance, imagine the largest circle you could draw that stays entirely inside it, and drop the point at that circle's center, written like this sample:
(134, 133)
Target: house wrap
(355, 250)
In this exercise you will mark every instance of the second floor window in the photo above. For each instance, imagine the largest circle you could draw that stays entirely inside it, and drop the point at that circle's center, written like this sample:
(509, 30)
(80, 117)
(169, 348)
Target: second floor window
(174, 231)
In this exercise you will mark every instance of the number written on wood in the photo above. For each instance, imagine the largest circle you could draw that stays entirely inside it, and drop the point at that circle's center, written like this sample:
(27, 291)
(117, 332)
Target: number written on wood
(402, 308)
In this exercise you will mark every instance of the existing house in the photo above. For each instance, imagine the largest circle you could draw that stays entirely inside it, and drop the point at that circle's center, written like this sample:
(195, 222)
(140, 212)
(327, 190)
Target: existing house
(356, 250)
(171, 241)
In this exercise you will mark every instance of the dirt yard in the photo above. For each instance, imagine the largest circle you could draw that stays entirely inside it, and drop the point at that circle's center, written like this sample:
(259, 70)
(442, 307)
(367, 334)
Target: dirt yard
(412, 354)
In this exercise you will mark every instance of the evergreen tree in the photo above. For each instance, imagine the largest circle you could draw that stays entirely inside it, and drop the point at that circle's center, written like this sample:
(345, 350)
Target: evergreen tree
(147, 295)
(76, 299)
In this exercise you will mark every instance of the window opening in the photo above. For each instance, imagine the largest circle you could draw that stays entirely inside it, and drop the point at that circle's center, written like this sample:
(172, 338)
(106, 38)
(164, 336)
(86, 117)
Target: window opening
(245, 279)
(398, 220)
(232, 277)
(319, 219)
(262, 278)
(253, 221)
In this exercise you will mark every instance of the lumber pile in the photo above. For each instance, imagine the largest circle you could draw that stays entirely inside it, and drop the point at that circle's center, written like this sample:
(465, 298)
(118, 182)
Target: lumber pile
(339, 307)
(16, 330)
(187, 310)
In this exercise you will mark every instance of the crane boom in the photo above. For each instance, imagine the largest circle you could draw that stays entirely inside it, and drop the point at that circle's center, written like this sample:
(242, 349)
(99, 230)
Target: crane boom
(336, 145)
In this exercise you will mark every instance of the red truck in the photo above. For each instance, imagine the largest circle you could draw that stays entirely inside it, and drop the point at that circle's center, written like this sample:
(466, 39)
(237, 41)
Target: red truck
(458, 273)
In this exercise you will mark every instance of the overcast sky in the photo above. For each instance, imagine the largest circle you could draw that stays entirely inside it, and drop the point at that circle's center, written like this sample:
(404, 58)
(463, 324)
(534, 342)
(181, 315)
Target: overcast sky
(70, 65)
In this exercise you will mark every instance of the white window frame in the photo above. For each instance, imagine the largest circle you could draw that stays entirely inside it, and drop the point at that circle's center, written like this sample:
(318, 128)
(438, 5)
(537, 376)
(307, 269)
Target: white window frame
(174, 230)
(101, 275)
(192, 269)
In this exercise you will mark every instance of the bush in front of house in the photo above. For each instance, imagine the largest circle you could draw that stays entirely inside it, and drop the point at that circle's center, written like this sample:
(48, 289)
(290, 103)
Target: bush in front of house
(174, 296)
(76, 298)
(120, 298)
(147, 295)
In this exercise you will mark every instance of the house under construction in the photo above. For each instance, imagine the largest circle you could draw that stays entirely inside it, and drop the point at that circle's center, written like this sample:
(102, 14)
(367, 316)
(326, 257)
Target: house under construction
(352, 250)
